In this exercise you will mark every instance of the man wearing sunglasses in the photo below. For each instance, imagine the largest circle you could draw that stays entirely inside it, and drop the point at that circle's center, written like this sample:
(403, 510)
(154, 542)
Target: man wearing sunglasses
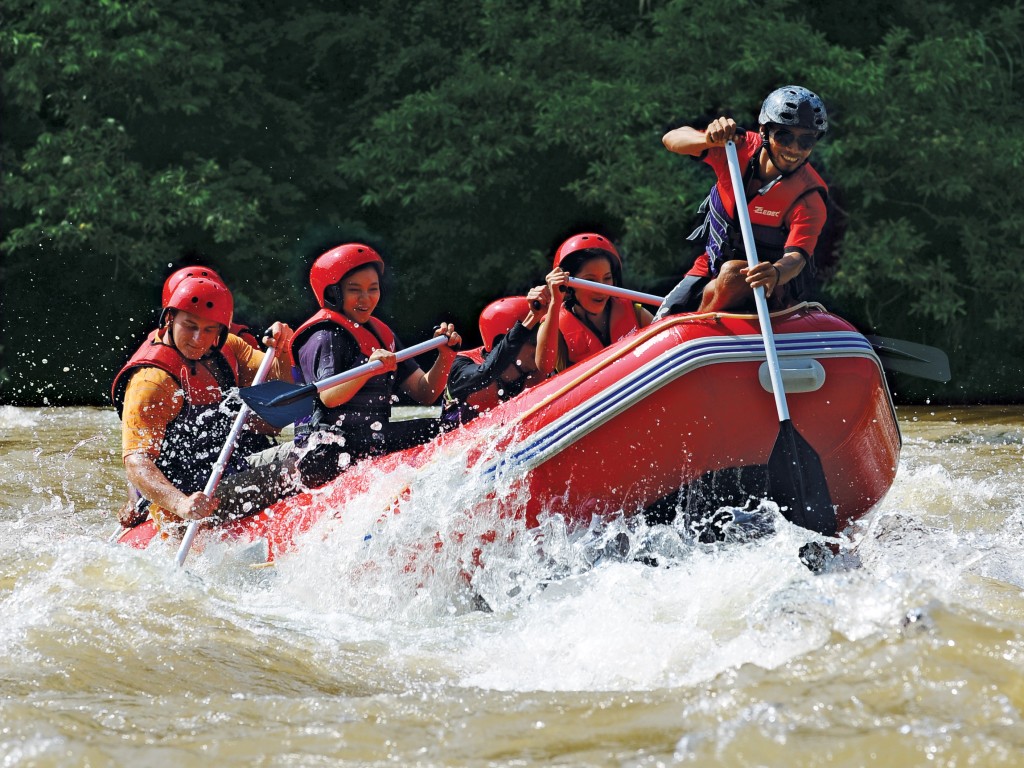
(785, 197)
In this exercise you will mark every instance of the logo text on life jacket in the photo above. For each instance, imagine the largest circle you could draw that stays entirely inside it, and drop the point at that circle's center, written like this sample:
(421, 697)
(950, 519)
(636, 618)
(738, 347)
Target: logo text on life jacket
(761, 210)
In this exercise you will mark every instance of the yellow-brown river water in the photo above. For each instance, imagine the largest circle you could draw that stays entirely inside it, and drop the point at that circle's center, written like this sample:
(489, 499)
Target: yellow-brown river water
(909, 652)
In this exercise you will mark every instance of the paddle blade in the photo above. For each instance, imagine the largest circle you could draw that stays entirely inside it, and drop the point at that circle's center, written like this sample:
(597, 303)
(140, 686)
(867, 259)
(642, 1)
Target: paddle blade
(913, 359)
(279, 403)
(797, 481)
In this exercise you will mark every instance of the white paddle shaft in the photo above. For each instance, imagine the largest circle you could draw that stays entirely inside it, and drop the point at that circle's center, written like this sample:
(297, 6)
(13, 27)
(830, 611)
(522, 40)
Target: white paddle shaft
(614, 290)
(225, 455)
(740, 196)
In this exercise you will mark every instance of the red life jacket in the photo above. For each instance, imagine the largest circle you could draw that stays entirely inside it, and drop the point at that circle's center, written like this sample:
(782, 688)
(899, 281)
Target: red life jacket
(373, 400)
(768, 213)
(202, 381)
(194, 438)
(580, 339)
(369, 341)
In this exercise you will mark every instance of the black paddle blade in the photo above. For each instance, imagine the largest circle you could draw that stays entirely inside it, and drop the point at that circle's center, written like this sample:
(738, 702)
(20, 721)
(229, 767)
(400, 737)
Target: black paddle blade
(279, 403)
(797, 481)
(913, 359)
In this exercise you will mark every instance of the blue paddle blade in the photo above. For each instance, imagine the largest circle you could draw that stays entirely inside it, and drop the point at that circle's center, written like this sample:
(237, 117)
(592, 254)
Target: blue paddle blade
(797, 482)
(279, 403)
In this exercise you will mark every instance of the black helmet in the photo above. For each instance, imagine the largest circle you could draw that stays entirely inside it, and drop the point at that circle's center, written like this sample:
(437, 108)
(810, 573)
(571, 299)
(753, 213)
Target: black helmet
(794, 105)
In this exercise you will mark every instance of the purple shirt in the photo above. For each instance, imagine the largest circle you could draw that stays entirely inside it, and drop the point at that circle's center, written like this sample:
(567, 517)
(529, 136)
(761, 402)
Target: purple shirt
(332, 350)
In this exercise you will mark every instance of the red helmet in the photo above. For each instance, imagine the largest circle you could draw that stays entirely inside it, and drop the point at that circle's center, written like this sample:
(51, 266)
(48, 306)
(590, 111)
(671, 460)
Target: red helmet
(331, 267)
(499, 316)
(203, 298)
(580, 245)
(177, 276)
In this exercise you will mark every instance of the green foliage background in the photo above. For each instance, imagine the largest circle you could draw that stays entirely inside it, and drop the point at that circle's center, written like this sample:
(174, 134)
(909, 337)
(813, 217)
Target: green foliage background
(465, 139)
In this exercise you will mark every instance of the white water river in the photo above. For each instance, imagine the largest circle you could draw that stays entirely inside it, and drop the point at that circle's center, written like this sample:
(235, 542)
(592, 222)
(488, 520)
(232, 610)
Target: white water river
(910, 652)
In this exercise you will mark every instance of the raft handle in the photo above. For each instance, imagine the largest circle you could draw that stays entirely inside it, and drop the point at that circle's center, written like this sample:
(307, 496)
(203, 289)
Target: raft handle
(799, 374)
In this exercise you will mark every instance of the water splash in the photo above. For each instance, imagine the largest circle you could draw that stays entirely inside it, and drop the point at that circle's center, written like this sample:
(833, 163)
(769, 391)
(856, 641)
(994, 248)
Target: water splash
(909, 639)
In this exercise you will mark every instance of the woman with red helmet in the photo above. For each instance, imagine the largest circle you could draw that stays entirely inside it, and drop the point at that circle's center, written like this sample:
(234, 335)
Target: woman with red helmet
(504, 366)
(581, 322)
(785, 196)
(342, 335)
(171, 397)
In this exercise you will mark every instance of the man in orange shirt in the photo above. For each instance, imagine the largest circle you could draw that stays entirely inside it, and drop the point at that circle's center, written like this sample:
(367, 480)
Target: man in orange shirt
(171, 396)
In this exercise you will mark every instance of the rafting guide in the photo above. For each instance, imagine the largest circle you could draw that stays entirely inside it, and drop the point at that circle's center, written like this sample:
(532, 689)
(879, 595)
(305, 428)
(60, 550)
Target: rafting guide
(785, 197)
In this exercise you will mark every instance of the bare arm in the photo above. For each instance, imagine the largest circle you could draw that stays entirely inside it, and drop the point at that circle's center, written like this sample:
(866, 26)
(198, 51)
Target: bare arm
(539, 297)
(342, 393)
(280, 338)
(152, 400)
(143, 473)
(425, 388)
(547, 335)
(770, 275)
(806, 220)
(690, 141)
(249, 359)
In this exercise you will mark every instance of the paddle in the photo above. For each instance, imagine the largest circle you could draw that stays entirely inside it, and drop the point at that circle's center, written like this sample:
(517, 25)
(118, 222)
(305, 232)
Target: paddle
(795, 477)
(280, 403)
(614, 290)
(910, 358)
(222, 460)
(896, 355)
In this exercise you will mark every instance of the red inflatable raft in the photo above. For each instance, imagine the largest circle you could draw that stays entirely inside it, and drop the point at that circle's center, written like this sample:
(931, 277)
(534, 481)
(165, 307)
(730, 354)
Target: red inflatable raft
(658, 410)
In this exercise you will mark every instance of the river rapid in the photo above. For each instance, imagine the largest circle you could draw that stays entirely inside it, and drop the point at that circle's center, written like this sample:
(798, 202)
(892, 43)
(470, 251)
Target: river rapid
(908, 650)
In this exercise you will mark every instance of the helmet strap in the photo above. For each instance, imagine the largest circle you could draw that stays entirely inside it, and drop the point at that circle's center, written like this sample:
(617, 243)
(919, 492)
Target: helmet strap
(332, 297)
(166, 324)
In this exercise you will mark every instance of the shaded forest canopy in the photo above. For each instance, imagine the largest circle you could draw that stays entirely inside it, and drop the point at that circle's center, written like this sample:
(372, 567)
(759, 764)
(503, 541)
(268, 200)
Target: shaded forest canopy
(466, 139)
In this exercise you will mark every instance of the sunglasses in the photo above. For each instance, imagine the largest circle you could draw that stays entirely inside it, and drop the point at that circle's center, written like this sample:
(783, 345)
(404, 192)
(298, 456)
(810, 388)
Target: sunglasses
(788, 139)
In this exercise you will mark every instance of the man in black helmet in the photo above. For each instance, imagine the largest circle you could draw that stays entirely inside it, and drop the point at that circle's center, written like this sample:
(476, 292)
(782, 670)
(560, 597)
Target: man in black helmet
(784, 195)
